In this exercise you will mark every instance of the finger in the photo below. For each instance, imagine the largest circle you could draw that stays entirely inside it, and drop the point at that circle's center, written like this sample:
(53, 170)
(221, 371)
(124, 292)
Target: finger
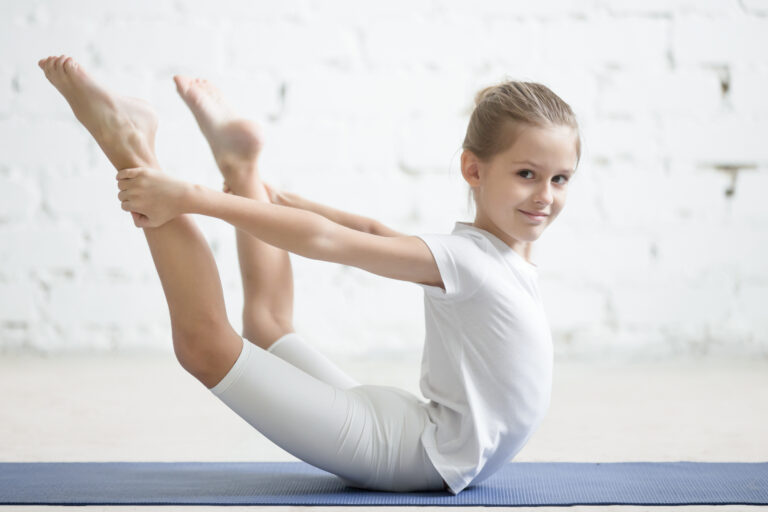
(123, 174)
(143, 221)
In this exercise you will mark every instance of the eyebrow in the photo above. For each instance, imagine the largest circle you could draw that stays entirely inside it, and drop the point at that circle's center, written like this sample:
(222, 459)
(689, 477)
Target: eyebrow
(533, 164)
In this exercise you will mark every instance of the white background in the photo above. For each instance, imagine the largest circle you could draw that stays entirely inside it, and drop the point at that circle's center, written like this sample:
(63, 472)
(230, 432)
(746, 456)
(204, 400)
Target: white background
(661, 249)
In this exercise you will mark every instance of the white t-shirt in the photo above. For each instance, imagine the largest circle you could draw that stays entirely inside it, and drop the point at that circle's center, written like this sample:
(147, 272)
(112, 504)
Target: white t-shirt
(487, 363)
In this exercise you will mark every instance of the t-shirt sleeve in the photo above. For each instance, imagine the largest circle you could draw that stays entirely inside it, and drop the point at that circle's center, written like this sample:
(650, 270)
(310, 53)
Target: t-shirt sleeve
(463, 265)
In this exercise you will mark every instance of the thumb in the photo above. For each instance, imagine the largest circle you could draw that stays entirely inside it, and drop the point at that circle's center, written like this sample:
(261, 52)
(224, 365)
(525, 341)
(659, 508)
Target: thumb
(140, 220)
(270, 192)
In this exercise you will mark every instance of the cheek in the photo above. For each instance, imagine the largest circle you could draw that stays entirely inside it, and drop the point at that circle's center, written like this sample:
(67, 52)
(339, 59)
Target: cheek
(559, 203)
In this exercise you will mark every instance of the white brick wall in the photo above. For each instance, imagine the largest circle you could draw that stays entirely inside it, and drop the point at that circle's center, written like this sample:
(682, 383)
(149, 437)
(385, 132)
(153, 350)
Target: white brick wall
(661, 250)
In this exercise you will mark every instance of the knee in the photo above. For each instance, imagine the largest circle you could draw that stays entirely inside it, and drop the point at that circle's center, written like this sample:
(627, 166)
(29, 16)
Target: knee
(199, 352)
(264, 329)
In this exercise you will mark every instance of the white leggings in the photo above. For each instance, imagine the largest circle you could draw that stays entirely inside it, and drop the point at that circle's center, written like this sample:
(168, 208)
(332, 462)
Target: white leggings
(369, 436)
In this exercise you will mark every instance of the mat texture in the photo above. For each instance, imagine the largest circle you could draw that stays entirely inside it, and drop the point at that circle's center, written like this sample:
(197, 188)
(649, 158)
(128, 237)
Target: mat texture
(298, 483)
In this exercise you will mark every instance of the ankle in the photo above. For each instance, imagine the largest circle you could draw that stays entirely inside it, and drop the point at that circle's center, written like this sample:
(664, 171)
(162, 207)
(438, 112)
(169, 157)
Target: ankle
(128, 150)
(252, 189)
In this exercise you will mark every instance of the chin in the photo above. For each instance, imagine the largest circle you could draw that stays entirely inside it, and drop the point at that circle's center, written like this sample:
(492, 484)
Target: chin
(532, 238)
(528, 236)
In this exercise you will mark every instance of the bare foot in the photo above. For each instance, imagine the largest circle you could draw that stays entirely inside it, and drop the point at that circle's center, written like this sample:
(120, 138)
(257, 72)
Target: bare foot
(235, 141)
(124, 127)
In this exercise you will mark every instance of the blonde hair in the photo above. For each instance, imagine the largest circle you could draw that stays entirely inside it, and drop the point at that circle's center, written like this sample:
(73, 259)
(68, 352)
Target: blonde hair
(503, 110)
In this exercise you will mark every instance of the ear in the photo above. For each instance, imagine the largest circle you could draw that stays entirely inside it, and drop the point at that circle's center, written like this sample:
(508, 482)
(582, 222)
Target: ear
(470, 168)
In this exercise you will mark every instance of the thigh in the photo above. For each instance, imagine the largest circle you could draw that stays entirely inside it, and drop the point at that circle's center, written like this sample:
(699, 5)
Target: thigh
(354, 433)
(397, 461)
(293, 349)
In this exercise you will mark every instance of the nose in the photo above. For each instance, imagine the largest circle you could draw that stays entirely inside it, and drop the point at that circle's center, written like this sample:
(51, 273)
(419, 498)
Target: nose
(544, 196)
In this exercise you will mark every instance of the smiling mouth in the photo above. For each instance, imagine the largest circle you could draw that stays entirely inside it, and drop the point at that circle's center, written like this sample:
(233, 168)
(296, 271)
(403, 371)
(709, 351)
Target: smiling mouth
(535, 215)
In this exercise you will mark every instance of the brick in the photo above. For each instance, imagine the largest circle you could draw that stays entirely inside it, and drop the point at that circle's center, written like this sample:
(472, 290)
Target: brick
(18, 303)
(748, 312)
(305, 47)
(746, 206)
(382, 94)
(720, 40)
(101, 12)
(303, 144)
(449, 44)
(36, 95)
(499, 9)
(596, 254)
(28, 247)
(38, 39)
(569, 305)
(644, 42)
(108, 303)
(134, 45)
(680, 252)
(659, 259)
(438, 199)
(724, 139)
(639, 92)
(747, 88)
(754, 7)
(19, 199)
(621, 139)
(424, 144)
(748, 247)
(120, 249)
(237, 11)
(675, 305)
(350, 12)
(67, 140)
(84, 199)
(6, 90)
(667, 7)
(254, 94)
(680, 195)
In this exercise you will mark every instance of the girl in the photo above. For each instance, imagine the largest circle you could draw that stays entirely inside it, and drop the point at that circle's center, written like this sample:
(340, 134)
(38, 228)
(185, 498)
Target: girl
(487, 362)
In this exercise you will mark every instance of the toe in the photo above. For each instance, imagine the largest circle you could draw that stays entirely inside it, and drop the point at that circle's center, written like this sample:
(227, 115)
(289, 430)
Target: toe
(58, 62)
(47, 64)
(182, 83)
(68, 65)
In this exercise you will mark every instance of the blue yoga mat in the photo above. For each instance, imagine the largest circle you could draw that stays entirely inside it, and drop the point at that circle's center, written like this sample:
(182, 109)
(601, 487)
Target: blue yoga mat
(298, 483)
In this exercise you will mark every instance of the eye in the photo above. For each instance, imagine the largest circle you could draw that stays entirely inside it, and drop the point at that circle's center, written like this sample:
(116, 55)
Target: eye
(565, 178)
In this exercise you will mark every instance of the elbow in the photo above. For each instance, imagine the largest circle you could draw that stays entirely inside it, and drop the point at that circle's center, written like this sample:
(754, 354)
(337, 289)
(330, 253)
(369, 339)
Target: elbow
(372, 227)
(323, 243)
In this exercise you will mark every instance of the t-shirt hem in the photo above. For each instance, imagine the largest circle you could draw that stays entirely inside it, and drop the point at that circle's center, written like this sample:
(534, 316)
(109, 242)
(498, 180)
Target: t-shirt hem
(455, 482)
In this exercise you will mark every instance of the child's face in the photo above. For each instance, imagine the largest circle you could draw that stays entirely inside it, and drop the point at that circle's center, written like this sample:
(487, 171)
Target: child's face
(531, 176)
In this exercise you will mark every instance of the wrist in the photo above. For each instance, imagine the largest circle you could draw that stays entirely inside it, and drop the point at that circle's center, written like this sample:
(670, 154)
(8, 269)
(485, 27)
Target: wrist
(286, 199)
(190, 197)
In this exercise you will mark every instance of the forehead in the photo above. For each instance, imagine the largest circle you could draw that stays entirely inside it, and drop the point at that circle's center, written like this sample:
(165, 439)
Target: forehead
(552, 148)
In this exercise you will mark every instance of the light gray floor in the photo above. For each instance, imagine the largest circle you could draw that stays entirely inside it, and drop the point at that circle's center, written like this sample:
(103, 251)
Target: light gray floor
(146, 408)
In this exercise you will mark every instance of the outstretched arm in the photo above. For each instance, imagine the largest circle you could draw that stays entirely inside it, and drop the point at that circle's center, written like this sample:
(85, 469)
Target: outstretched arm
(155, 198)
(350, 220)
(293, 229)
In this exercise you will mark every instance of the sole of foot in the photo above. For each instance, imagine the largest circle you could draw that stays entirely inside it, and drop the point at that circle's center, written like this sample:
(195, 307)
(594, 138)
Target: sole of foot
(235, 141)
(123, 126)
